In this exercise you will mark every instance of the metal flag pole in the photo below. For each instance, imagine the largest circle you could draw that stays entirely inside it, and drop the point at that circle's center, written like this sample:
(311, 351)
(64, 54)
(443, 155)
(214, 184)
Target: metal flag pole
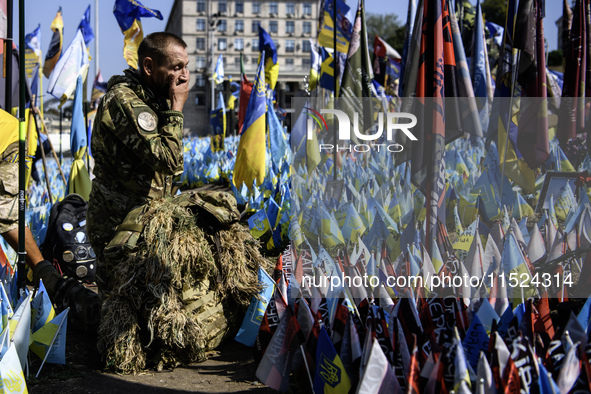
(22, 148)
(96, 38)
(334, 123)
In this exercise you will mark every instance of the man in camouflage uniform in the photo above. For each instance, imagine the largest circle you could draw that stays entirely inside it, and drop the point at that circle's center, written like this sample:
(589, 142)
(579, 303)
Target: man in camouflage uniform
(63, 292)
(137, 140)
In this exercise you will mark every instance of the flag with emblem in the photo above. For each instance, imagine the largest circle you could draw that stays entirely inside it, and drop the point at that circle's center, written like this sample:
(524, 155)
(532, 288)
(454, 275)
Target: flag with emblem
(11, 372)
(330, 374)
(254, 315)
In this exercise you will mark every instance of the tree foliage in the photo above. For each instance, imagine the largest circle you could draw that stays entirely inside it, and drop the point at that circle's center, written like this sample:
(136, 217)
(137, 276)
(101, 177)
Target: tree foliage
(495, 11)
(388, 27)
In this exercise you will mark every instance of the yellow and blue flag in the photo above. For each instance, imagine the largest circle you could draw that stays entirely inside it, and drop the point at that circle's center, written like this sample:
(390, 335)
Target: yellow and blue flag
(326, 76)
(217, 125)
(314, 66)
(251, 155)
(11, 372)
(269, 54)
(218, 73)
(331, 233)
(258, 224)
(55, 47)
(79, 181)
(521, 208)
(49, 342)
(516, 269)
(128, 14)
(330, 376)
(41, 308)
(344, 26)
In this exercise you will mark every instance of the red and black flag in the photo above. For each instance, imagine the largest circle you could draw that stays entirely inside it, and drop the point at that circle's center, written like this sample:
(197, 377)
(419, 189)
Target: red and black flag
(428, 153)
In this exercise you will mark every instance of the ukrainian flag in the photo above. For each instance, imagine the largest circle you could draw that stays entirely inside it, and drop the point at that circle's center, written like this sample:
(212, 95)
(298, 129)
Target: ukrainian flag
(218, 74)
(251, 156)
(267, 46)
(330, 376)
(128, 14)
(521, 208)
(331, 233)
(79, 181)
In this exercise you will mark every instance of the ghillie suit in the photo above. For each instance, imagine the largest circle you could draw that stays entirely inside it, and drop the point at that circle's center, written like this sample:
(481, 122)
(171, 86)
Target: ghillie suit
(182, 272)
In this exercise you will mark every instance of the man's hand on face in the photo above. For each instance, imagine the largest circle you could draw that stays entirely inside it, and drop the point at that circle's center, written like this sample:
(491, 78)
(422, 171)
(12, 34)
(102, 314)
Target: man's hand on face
(179, 89)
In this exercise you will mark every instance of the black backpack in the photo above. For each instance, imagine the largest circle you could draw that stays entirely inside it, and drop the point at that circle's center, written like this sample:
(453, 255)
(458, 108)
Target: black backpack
(66, 244)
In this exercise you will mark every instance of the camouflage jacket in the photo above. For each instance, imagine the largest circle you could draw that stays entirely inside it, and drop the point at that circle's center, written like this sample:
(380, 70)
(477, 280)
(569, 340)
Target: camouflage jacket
(137, 148)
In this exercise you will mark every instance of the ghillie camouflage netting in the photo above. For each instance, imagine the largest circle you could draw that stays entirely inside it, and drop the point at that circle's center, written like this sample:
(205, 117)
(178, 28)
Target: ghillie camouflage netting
(179, 292)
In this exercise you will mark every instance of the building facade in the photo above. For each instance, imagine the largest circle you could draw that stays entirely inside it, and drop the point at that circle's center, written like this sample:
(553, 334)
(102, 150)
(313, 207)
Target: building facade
(230, 28)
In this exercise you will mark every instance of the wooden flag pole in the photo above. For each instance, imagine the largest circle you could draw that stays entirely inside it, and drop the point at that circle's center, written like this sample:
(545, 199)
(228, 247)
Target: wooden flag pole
(42, 155)
(52, 150)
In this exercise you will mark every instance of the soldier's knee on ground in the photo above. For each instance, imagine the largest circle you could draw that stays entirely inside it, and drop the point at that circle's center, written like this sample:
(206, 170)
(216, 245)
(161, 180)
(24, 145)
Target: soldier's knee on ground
(83, 303)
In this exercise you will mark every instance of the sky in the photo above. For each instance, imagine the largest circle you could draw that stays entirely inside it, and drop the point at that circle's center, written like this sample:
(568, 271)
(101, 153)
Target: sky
(111, 39)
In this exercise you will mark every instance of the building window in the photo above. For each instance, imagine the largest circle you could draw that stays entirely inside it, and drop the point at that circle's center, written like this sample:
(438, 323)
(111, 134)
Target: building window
(200, 24)
(221, 44)
(255, 26)
(306, 63)
(222, 6)
(200, 5)
(289, 45)
(239, 44)
(255, 44)
(289, 62)
(308, 9)
(290, 8)
(240, 7)
(306, 46)
(256, 7)
(273, 27)
(200, 43)
(307, 28)
(200, 82)
(236, 62)
(200, 99)
(290, 27)
(200, 62)
(239, 26)
(222, 26)
(273, 8)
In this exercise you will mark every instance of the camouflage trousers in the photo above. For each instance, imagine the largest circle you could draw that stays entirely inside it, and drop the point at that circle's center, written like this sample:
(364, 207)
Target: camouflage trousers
(9, 188)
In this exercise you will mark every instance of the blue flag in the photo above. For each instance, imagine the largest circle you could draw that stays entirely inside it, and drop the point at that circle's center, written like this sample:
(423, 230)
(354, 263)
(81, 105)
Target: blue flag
(277, 138)
(85, 27)
(475, 341)
(254, 315)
